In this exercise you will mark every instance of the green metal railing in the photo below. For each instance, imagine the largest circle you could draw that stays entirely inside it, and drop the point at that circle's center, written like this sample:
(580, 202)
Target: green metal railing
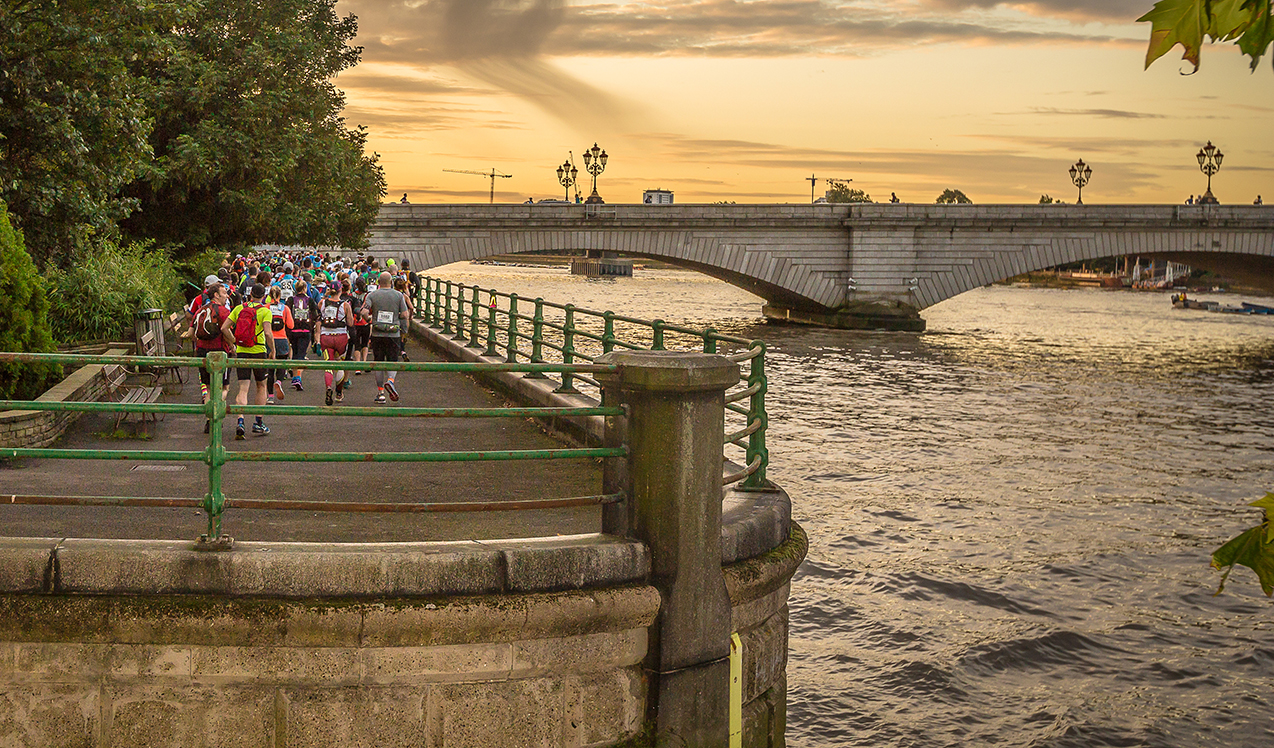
(499, 325)
(216, 456)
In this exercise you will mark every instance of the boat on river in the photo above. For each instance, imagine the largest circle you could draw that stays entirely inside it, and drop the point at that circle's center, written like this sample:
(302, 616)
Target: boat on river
(1181, 301)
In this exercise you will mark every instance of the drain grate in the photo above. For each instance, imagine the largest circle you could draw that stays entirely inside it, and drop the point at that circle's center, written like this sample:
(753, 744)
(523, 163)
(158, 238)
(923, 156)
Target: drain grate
(158, 468)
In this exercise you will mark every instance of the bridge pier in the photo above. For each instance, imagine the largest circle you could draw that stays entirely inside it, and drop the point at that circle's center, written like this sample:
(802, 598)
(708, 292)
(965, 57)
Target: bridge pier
(862, 315)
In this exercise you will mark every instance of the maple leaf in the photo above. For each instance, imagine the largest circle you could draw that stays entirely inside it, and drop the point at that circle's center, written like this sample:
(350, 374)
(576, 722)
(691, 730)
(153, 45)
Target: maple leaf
(1190, 22)
(1253, 548)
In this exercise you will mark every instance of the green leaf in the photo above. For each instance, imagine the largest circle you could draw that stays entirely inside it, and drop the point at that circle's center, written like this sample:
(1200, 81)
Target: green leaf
(1249, 549)
(1187, 22)
(1267, 504)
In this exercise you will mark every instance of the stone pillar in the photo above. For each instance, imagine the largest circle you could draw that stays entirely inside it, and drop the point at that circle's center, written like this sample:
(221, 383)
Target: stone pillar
(675, 426)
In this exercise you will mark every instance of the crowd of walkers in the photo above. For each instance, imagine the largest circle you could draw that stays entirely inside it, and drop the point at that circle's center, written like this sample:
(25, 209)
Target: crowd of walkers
(273, 305)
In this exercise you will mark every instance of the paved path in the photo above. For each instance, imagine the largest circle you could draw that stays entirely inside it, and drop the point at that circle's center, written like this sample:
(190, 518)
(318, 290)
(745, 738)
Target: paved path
(390, 482)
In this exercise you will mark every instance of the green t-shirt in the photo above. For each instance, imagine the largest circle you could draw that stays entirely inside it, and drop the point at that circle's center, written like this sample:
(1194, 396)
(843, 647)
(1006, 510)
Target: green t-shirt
(264, 319)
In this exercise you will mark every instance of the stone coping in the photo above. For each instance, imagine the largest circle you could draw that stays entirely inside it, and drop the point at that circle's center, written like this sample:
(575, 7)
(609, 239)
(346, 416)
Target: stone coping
(86, 566)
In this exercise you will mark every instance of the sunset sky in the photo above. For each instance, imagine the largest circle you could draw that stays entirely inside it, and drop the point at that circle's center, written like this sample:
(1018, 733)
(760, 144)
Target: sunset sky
(743, 100)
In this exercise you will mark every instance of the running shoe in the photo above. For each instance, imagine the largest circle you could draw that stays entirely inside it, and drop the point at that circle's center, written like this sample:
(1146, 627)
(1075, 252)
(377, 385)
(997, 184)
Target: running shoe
(238, 432)
(358, 372)
(380, 398)
(269, 400)
(340, 396)
(260, 428)
(391, 389)
(296, 385)
(328, 399)
(278, 390)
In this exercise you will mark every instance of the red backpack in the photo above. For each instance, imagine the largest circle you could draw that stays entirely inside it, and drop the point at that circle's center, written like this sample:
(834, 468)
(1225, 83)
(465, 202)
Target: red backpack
(206, 324)
(245, 328)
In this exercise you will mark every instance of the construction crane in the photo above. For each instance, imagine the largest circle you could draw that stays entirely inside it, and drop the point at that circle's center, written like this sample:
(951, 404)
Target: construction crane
(493, 174)
(830, 180)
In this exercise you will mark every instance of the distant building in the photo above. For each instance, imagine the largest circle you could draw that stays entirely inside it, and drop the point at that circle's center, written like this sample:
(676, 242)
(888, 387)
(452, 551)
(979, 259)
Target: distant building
(657, 197)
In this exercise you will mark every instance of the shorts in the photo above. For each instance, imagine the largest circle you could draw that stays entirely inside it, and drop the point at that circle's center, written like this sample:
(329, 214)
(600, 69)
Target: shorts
(252, 372)
(361, 335)
(386, 348)
(205, 376)
(334, 342)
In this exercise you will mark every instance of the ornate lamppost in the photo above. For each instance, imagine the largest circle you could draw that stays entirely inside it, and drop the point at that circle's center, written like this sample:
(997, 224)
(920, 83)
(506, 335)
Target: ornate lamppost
(594, 163)
(566, 177)
(1080, 173)
(1209, 163)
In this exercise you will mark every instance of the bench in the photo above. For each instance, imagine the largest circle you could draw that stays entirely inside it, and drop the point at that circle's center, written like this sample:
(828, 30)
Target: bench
(119, 393)
(171, 375)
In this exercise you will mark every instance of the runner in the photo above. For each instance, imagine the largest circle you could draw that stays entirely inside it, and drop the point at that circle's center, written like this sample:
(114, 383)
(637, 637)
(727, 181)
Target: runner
(304, 312)
(360, 335)
(388, 311)
(400, 285)
(336, 317)
(280, 325)
(207, 332)
(251, 340)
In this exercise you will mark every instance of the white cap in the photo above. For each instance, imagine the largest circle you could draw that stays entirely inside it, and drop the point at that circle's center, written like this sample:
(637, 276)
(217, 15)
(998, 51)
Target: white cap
(210, 280)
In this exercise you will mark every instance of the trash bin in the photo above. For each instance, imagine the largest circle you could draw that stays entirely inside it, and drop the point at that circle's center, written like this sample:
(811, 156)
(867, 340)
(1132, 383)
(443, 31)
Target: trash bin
(150, 320)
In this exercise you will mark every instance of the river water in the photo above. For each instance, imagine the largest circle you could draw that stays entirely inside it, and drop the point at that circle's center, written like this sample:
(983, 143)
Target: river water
(1010, 515)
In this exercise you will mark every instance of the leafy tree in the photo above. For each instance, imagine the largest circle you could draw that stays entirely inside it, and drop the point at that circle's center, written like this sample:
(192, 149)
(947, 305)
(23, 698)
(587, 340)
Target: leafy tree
(950, 197)
(1248, 23)
(840, 192)
(1048, 200)
(24, 317)
(73, 118)
(248, 140)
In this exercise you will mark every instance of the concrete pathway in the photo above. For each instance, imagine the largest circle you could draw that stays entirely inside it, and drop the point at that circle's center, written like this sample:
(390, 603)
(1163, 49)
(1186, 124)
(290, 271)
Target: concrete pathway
(371, 482)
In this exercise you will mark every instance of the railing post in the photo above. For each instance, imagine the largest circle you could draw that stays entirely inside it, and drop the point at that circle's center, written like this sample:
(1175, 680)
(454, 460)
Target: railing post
(673, 485)
(657, 338)
(512, 350)
(710, 340)
(756, 412)
(608, 333)
(446, 310)
(473, 320)
(492, 343)
(537, 338)
(214, 502)
(568, 348)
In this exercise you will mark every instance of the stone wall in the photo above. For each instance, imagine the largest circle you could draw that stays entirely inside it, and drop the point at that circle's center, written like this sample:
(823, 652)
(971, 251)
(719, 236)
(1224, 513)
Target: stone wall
(31, 428)
(117, 644)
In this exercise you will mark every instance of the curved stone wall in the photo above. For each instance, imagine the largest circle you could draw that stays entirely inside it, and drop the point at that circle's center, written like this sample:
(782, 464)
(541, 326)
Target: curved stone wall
(535, 642)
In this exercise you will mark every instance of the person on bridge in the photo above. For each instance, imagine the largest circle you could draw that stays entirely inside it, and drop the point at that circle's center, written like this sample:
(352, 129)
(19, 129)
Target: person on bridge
(252, 339)
(388, 311)
(335, 319)
(281, 324)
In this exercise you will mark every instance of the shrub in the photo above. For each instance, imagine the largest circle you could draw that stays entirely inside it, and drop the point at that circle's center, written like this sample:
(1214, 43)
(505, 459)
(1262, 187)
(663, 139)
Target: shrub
(24, 317)
(196, 267)
(104, 288)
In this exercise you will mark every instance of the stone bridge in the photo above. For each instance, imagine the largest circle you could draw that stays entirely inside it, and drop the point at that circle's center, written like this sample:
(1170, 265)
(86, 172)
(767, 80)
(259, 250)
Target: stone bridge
(845, 265)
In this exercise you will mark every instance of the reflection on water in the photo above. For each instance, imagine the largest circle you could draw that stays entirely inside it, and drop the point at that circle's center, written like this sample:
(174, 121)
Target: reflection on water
(1010, 515)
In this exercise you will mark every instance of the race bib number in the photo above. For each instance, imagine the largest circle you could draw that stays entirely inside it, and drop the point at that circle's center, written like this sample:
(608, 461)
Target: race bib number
(387, 318)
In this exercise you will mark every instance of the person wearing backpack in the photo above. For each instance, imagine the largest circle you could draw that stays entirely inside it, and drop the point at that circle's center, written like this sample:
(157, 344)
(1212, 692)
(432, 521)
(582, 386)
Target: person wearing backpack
(304, 313)
(206, 328)
(281, 324)
(335, 320)
(387, 310)
(247, 328)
